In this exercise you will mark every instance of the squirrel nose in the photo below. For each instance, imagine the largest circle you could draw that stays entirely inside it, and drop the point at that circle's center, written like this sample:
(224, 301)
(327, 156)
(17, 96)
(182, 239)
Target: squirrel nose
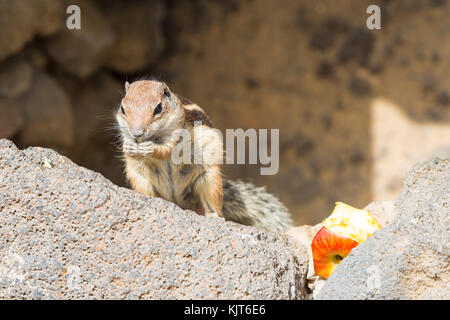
(137, 132)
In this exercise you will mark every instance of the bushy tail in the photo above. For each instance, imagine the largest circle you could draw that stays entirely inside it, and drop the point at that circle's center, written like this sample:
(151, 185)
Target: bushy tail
(254, 206)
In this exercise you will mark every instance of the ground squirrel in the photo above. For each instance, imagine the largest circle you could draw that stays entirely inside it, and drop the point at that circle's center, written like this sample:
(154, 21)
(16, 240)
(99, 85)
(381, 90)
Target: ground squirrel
(150, 119)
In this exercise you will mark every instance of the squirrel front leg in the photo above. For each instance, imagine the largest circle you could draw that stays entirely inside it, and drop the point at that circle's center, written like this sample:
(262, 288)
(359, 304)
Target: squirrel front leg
(149, 148)
(208, 188)
(162, 151)
(139, 176)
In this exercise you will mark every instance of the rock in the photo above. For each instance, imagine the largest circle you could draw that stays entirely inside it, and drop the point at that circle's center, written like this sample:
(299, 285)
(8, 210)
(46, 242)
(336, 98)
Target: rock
(304, 236)
(429, 83)
(11, 119)
(48, 16)
(435, 56)
(408, 259)
(69, 233)
(443, 98)
(94, 104)
(138, 29)
(36, 56)
(438, 3)
(96, 136)
(359, 86)
(395, 138)
(315, 169)
(95, 38)
(325, 70)
(323, 35)
(21, 20)
(383, 211)
(295, 179)
(48, 114)
(357, 46)
(15, 77)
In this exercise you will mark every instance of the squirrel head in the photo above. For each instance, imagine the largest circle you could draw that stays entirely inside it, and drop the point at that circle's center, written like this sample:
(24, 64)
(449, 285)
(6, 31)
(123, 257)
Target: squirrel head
(149, 111)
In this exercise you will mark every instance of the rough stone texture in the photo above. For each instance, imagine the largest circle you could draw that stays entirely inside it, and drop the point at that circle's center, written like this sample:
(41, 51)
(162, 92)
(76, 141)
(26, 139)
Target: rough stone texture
(383, 211)
(68, 232)
(137, 26)
(81, 52)
(408, 259)
(48, 115)
(21, 20)
(304, 235)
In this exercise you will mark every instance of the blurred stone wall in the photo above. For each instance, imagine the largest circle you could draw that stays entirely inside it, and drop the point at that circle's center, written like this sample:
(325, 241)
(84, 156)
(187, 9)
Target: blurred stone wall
(355, 107)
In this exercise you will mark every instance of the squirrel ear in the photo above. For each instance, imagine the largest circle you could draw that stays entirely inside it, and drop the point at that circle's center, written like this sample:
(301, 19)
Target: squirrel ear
(127, 85)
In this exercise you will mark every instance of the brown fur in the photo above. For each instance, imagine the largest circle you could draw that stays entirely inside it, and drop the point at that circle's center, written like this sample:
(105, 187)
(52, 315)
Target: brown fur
(183, 100)
(191, 186)
(192, 116)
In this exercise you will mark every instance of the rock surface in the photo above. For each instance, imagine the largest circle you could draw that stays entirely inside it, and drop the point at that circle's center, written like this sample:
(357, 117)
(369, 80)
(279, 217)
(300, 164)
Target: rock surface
(330, 137)
(383, 211)
(95, 38)
(97, 146)
(355, 108)
(48, 114)
(304, 235)
(137, 26)
(15, 77)
(395, 140)
(68, 232)
(20, 21)
(12, 120)
(408, 259)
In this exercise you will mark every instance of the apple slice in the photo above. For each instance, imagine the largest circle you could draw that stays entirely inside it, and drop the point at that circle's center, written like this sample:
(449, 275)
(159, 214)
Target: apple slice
(343, 230)
(328, 249)
(351, 222)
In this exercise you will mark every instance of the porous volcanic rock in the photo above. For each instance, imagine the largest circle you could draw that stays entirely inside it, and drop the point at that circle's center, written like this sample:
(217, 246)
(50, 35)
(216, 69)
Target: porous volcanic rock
(68, 232)
(408, 259)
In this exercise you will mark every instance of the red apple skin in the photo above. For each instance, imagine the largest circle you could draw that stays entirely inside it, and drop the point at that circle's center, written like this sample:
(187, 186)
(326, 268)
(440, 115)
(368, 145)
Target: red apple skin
(328, 249)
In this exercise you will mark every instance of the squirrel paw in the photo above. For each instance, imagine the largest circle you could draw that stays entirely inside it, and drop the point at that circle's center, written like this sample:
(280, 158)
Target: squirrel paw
(143, 149)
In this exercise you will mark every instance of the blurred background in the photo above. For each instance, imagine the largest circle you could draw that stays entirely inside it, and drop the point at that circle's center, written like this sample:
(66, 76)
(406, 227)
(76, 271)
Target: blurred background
(356, 108)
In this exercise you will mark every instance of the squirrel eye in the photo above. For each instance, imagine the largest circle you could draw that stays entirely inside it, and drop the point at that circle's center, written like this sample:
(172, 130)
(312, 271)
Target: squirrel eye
(166, 92)
(158, 109)
(122, 110)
